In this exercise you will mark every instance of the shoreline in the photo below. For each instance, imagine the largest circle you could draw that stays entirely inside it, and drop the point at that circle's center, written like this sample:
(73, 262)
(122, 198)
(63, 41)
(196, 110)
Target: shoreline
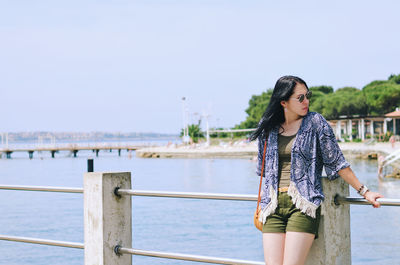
(245, 150)
(239, 150)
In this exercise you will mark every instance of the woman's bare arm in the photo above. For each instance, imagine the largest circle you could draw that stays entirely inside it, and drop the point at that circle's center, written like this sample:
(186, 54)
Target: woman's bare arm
(348, 175)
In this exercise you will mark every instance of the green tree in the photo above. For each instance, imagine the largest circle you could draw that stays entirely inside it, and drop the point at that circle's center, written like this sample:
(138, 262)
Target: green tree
(322, 89)
(344, 101)
(319, 94)
(194, 132)
(381, 96)
(317, 101)
(219, 135)
(257, 106)
(376, 98)
(394, 78)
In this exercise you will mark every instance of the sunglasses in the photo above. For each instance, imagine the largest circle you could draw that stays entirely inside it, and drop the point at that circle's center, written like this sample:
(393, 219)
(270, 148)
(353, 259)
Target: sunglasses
(303, 96)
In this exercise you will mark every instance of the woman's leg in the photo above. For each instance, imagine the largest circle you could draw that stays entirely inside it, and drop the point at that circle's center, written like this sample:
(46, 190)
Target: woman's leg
(274, 244)
(297, 246)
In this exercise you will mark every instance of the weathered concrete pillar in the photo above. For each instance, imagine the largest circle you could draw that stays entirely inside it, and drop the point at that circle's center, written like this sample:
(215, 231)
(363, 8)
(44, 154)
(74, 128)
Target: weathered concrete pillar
(350, 129)
(332, 247)
(384, 126)
(339, 130)
(372, 128)
(107, 218)
(362, 130)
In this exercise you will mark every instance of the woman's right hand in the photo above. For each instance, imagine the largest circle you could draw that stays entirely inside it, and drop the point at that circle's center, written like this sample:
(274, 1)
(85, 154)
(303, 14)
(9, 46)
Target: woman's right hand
(372, 198)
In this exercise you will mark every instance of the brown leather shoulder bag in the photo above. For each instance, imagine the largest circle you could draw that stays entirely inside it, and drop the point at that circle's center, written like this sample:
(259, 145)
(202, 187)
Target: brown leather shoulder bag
(258, 223)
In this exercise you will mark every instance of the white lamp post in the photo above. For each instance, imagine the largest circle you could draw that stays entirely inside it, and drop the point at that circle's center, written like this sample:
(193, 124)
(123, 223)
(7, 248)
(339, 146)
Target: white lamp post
(205, 115)
(186, 138)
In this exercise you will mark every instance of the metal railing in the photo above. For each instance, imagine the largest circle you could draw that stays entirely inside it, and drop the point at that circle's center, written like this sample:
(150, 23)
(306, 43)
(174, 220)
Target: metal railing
(120, 250)
(232, 130)
(42, 188)
(361, 201)
(41, 241)
(238, 197)
(188, 195)
(127, 192)
(192, 195)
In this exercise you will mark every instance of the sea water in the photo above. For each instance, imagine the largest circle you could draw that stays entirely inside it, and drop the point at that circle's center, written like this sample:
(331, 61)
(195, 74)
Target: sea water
(189, 226)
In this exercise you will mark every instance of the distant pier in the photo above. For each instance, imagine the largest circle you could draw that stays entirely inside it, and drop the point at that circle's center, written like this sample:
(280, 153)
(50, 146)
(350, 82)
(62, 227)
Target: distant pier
(73, 148)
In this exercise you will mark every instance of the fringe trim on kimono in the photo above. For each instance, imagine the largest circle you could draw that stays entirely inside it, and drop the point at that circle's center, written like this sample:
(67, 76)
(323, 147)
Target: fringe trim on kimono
(271, 206)
(301, 203)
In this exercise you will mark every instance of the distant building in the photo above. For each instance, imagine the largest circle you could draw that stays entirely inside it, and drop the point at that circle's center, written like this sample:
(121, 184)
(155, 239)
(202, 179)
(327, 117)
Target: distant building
(363, 127)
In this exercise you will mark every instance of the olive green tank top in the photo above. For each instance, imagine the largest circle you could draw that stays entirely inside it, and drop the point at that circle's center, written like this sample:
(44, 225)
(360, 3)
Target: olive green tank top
(285, 144)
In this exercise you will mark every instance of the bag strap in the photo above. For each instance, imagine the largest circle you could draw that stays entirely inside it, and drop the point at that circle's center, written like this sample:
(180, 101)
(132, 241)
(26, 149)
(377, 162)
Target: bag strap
(262, 173)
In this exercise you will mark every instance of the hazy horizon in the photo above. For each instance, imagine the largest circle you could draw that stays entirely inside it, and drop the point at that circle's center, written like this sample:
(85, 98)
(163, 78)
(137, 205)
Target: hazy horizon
(125, 66)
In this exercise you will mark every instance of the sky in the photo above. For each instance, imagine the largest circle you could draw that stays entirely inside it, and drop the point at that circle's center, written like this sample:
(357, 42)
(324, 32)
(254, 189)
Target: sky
(124, 66)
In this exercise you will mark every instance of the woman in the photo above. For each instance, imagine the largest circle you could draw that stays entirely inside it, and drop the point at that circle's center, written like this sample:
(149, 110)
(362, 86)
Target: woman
(300, 143)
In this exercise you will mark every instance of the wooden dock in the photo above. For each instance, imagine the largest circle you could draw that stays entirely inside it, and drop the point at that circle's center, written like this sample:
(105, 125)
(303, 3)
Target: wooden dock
(73, 148)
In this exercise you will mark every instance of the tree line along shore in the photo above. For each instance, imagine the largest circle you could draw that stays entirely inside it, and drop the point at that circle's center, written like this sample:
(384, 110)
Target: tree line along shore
(376, 98)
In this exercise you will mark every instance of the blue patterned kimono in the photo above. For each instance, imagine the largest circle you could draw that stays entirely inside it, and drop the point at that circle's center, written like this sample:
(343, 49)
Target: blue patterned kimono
(315, 147)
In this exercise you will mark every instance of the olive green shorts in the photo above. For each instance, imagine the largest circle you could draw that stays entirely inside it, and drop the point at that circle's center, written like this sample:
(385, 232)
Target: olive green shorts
(288, 218)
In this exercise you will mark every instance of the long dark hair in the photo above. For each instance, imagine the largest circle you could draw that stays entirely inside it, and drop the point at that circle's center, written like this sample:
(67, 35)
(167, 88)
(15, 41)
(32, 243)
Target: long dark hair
(274, 115)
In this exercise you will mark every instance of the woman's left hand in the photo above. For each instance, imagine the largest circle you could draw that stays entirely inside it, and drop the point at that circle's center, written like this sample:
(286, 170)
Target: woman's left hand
(371, 197)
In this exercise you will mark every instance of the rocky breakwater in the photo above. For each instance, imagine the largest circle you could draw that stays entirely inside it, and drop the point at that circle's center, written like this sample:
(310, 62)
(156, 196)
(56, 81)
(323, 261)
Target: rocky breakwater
(377, 151)
(244, 149)
(368, 151)
(240, 149)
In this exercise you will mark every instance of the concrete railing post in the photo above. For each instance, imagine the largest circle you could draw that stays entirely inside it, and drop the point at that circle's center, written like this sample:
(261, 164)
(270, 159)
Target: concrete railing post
(332, 247)
(107, 218)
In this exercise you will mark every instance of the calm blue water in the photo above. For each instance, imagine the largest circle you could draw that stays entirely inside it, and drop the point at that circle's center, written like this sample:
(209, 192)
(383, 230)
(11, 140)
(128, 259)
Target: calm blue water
(203, 227)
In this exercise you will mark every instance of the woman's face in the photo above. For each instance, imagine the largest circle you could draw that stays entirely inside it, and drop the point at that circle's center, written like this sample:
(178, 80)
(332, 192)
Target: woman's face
(294, 105)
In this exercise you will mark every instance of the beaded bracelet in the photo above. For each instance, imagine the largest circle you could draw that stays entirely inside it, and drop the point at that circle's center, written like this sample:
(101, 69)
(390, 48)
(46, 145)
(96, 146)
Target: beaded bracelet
(363, 189)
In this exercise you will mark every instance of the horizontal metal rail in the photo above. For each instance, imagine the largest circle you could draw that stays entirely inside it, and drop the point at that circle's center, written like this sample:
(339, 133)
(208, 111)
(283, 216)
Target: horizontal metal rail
(119, 192)
(42, 241)
(361, 201)
(232, 130)
(193, 195)
(190, 195)
(121, 250)
(42, 188)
